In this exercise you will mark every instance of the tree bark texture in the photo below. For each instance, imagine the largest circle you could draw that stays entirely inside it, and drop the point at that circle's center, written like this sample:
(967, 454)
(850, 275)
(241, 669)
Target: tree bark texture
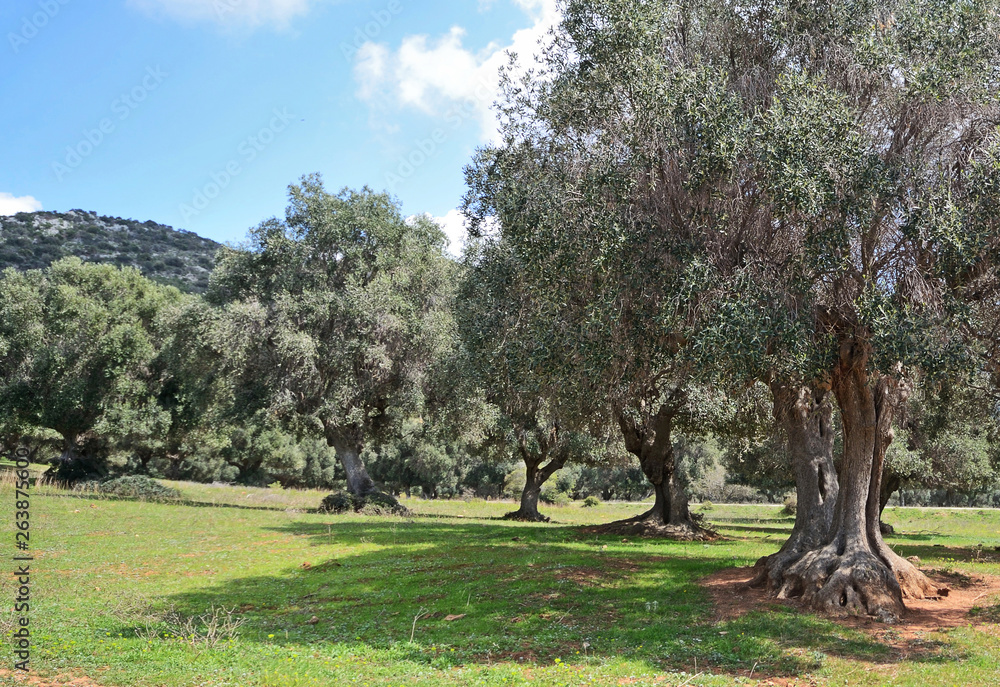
(855, 572)
(805, 414)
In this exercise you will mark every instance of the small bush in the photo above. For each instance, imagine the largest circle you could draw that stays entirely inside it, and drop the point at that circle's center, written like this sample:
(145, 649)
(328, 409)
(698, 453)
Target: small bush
(791, 505)
(340, 502)
(375, 503)
(554, 497)
(707, 505)
(138, 487)
(591, 502)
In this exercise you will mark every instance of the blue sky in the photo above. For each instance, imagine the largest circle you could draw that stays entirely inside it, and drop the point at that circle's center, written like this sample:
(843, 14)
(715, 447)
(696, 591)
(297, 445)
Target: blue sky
(199, 113)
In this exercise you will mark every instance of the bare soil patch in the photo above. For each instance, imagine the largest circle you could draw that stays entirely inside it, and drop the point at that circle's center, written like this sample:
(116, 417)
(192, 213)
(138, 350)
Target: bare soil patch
(30, 679)
(970, 602)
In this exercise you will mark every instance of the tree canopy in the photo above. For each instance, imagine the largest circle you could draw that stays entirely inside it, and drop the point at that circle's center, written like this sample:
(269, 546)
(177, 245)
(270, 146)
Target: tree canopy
(343, 310)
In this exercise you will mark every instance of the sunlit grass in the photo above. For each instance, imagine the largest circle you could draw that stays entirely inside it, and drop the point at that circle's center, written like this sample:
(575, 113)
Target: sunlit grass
(334, 600)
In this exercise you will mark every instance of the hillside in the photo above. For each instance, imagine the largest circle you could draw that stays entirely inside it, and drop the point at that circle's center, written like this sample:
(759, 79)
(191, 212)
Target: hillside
(33, 240)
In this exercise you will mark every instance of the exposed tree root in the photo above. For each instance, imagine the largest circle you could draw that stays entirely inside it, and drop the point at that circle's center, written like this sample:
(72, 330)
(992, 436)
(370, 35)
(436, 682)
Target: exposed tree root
(854, 582)
(769, 571)
(521, 515)
(651, 524)
(912, 583)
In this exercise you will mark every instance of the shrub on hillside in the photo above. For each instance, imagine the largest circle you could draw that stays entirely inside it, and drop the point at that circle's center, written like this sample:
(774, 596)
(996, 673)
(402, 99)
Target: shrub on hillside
(375, 503)
(138, 487)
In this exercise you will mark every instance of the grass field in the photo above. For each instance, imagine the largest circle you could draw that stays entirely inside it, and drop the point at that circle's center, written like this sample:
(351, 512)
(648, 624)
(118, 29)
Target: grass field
(354, 600)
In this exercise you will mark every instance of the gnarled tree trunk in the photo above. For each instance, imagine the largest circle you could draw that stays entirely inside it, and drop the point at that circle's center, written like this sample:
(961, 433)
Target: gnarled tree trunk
(537, 474)
(805, 414)
(652, 444)
(855, 572)
(348, 446)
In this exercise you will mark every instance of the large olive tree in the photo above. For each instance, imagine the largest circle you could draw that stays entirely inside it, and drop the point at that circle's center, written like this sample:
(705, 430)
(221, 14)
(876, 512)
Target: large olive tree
(863, 221)
(337, 314)
(76, 346)
(825, 170)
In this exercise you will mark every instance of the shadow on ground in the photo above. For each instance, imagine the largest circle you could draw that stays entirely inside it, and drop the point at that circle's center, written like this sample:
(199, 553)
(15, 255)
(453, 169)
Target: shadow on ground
(520, 594)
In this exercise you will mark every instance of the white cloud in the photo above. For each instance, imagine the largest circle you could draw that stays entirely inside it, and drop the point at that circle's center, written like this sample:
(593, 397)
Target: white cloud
(11, 205)
(229, 13)
(442, 77)
(453, 225)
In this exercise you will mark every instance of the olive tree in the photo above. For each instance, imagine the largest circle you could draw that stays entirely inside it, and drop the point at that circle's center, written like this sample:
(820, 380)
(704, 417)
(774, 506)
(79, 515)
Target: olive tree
(496, 321)
(867, 218)
(592, 276)
(76, 346)
(945, 439)
(337, 314)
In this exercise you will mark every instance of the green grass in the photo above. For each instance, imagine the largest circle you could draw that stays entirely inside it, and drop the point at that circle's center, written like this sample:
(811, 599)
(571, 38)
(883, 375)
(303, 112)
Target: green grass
(542, 604)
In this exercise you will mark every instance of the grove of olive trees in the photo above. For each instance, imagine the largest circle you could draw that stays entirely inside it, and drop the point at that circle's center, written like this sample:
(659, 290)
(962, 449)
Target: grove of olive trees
(775, 225)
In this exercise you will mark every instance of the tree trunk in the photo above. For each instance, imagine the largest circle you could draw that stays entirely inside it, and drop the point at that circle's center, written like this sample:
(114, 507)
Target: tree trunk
(891, 482)
(348, 448)
(536, 475)
(652, 444)
(358, 481)
(855, 573)
(805, 414)
(69, 454)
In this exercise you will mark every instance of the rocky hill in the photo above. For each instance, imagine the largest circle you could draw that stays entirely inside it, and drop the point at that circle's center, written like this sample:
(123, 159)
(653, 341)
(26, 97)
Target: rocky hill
(32, 240)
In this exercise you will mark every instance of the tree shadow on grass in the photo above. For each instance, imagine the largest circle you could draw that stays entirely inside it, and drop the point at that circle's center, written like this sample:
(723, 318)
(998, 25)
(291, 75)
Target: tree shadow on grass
(85, 496)
(758, 528)
(521, 594)
(927, 553)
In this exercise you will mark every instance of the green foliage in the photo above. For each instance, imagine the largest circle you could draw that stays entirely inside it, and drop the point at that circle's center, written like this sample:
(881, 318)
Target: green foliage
(339, 502)
(584, 286)
(373, 504)
(947, 441)
(336, 316)
(551, 495)
(138, 487)
(591, 502)
(620, 482)
(77, 343)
